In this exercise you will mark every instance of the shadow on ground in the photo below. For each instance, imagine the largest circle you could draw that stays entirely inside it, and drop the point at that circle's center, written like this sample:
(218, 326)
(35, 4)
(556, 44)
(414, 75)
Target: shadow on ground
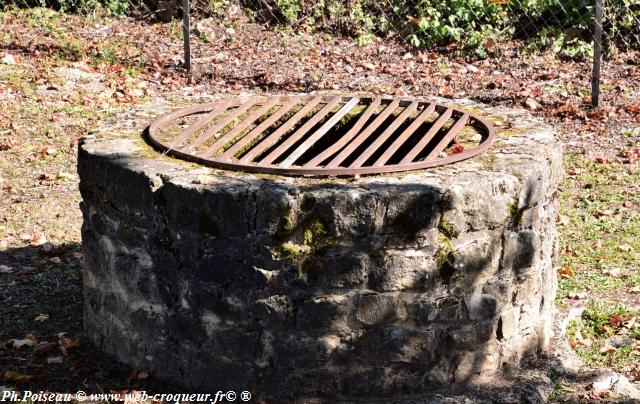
(40, 306)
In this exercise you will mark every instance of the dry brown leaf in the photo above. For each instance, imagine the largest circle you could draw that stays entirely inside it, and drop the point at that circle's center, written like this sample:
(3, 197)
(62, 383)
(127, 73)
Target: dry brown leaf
(38, 238)
(17, 377)
(44, 347)
(67, 343)
(565, 272)
(6, 144)
(400, 92)
(138, 375)
(41, 317)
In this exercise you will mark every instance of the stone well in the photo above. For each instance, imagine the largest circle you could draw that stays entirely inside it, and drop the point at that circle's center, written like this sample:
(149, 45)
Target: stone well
(287, 286)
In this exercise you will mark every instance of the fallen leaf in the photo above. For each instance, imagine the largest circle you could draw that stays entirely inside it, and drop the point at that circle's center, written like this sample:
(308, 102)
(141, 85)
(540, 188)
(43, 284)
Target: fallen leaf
(8, 59)
(6, 144)
(586, 342)
(633, 108)
(65, 176)
(49, 150)
(446, 91)
(19, 343)
(604, 212)
(38, 238)
(16, 377)
(55, 360)
(44, 347)
(4, 269)
(400, 92)
(614, 272)
(137, 375)
(625, 248)
(457, 148)
(55, 260)
(565, 272)
(608, 348)
(41, 317)
(532, 104)
(369, 66)
(68, 343)
(616, 321)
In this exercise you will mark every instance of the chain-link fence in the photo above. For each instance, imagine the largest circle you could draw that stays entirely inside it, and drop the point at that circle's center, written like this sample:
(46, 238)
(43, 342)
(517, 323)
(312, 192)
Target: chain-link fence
(475, 27)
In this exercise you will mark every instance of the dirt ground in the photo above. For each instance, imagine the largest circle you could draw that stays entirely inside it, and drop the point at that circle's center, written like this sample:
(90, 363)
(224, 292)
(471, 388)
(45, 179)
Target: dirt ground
(61, 74)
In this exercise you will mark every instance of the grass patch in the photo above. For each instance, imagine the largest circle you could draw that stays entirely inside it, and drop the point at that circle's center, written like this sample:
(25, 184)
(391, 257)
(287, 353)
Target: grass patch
(606, 335)
(599, 226)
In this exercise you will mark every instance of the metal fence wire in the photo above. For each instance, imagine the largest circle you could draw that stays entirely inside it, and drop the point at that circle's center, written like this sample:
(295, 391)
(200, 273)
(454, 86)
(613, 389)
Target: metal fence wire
(477, 26)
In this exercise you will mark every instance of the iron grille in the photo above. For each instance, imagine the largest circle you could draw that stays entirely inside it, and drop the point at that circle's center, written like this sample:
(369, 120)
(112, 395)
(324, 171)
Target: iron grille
(321, 135)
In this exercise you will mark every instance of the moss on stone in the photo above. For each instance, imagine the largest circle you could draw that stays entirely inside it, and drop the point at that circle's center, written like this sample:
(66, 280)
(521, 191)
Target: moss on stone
(295, 252)
(316, 239)
(446, 228)
(315, 233)
(445, 258)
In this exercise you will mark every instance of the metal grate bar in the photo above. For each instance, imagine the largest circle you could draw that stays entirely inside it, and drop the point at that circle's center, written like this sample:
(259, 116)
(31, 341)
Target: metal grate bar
(258, 130)
(229, 136)
(273, 138)
(347, 137)
(201, 123)
(298, 135)
(385, 135)
(427, 136)
(346, 152)
(301, 132)
(313, 139)
(448, 137)
(216, 127)
(402, 139)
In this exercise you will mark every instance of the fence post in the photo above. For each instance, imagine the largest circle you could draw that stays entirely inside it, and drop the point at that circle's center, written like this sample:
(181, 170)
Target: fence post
(186, 35)
(597, 55)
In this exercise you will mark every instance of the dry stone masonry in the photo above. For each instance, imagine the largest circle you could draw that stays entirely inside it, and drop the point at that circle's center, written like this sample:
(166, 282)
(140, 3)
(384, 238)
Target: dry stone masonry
(292, 287)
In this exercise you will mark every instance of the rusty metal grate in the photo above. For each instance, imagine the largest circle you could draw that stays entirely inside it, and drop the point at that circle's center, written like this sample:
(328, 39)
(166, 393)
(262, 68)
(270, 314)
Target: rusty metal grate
(321, 135)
